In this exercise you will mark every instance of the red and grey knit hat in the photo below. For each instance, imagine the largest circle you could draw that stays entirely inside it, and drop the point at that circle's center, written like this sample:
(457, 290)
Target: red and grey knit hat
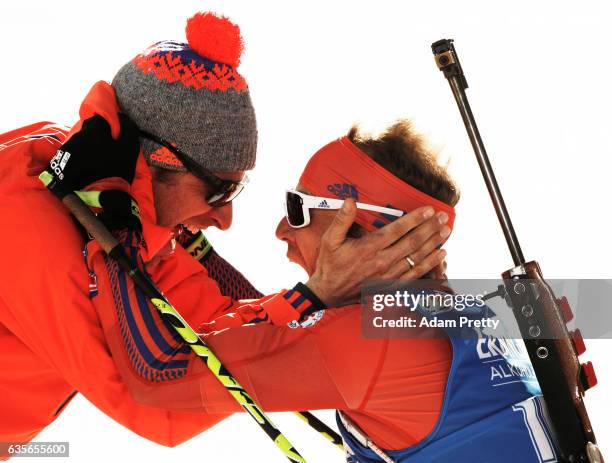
(191, 95)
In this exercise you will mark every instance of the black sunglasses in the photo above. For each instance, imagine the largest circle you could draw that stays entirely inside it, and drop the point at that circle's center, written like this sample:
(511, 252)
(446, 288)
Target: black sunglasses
(223, 191)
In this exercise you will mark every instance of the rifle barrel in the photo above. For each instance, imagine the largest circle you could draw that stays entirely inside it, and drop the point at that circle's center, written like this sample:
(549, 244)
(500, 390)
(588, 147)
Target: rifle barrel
(448, 62)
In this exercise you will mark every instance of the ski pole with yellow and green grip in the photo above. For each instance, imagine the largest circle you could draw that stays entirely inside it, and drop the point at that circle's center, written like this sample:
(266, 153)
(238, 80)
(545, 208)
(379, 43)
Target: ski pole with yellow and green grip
(115, 250)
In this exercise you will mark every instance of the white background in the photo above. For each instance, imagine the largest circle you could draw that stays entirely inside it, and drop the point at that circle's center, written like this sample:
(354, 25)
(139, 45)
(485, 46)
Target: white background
(539, 86)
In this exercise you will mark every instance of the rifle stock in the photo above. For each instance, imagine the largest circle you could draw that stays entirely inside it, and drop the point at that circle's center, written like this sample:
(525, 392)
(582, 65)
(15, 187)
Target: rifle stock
(553, 354)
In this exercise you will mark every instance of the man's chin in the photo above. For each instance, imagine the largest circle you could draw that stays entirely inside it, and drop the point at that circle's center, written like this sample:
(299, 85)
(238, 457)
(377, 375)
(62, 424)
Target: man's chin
(296, 260)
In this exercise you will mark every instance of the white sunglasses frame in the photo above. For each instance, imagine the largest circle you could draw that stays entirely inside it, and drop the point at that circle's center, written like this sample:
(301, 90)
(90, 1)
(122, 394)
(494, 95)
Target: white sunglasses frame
(321, 202)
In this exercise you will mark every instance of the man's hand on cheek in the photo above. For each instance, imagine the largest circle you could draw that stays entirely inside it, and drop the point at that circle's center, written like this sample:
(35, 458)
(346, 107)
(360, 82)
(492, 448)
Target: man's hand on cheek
(388, 253)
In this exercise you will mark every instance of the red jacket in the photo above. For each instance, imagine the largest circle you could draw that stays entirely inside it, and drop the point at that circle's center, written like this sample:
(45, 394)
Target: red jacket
(54, 336)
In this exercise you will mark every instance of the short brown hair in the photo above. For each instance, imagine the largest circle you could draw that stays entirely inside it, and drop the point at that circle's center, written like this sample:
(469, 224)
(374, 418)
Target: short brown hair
(401, 151)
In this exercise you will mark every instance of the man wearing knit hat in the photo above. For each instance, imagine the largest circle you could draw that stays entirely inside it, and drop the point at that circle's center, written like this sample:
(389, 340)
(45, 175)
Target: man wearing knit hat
(64, 305)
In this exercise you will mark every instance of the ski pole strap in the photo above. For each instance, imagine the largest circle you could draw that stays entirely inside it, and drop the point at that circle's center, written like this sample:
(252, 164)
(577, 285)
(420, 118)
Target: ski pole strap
(362, 438)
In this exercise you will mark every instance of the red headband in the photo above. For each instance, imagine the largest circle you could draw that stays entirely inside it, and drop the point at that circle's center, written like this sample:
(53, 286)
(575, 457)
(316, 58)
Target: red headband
(342, 170)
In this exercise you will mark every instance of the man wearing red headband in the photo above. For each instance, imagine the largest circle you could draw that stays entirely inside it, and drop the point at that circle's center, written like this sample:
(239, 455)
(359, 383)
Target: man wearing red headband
(428, 398)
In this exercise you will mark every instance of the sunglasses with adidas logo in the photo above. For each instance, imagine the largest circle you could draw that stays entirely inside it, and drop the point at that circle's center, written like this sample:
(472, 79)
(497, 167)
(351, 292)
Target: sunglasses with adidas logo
(298, 205)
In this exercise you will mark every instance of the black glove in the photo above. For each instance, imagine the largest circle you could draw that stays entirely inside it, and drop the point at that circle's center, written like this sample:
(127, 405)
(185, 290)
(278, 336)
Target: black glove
(119, 210)
(91, 154)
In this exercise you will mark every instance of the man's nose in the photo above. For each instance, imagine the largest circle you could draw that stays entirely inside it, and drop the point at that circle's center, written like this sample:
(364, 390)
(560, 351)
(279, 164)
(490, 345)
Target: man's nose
(222, 216)
(283, 229)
